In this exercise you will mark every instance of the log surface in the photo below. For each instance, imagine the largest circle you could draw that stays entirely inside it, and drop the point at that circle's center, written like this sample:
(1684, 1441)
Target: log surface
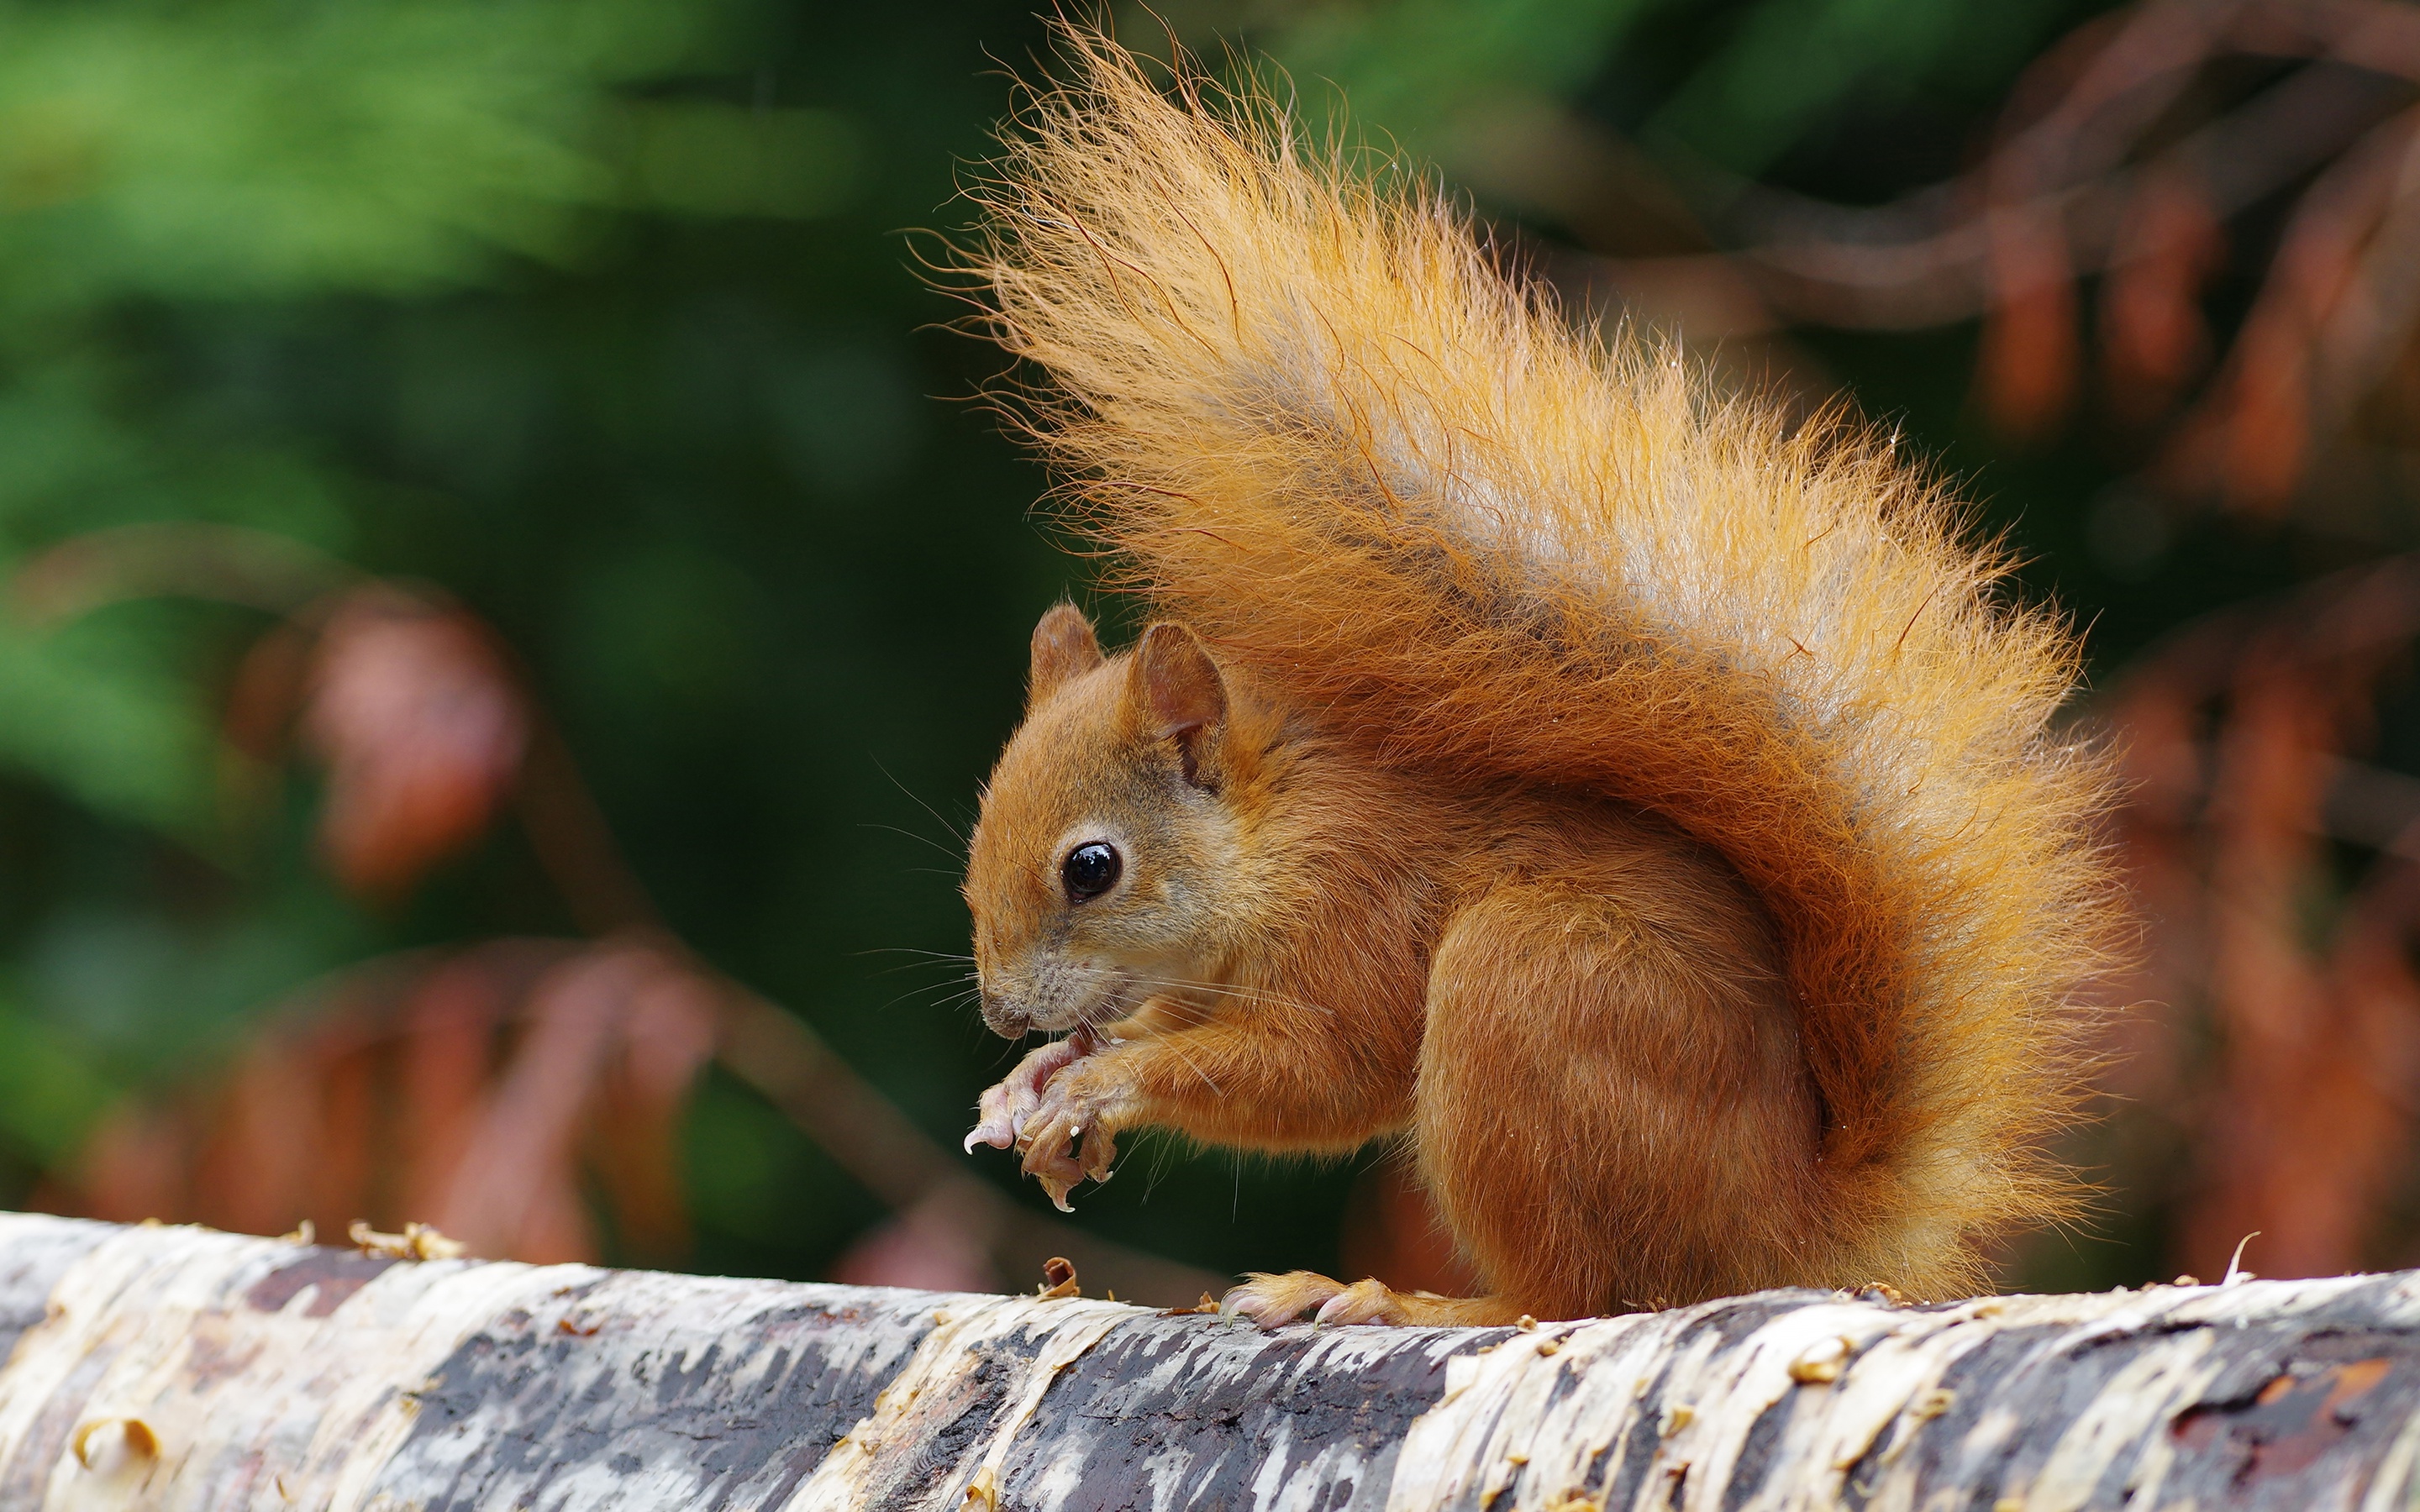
(179, 1368)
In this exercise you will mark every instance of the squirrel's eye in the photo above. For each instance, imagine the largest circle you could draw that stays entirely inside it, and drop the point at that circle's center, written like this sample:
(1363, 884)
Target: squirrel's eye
(1091, 870)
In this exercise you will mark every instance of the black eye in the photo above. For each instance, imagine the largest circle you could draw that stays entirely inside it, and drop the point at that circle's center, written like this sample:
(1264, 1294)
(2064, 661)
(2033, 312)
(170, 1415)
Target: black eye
(1091, 870)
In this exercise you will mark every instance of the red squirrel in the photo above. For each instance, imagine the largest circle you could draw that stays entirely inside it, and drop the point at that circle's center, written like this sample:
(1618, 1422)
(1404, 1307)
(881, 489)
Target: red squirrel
(1649, 814)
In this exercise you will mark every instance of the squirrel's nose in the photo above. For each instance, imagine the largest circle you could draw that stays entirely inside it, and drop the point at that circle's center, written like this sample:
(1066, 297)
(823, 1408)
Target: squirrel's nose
(1002, 1017)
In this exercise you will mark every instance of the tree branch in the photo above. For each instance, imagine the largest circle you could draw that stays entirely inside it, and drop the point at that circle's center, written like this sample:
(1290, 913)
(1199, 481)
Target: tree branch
(161, 1366)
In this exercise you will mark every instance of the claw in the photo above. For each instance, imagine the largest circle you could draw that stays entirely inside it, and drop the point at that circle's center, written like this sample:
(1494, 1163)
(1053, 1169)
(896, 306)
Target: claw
(1364, 1302)
(1275, 1301)
(1001, 1117)
(992, 1128)
(1099, 1151)
(1257, 1310)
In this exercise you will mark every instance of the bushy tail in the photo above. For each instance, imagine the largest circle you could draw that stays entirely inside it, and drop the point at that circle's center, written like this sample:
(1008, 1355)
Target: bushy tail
(1315, 421)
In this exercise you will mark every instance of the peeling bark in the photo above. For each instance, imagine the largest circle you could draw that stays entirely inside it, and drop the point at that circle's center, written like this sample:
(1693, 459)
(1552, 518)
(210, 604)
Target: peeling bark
(179, 1368)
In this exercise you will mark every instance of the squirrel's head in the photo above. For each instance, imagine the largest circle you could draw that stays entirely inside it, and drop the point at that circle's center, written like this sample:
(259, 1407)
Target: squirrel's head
(1098, 869)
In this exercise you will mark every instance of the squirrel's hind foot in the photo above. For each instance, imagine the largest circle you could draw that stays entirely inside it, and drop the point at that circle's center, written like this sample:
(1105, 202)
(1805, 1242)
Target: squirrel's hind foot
(1274, 1301)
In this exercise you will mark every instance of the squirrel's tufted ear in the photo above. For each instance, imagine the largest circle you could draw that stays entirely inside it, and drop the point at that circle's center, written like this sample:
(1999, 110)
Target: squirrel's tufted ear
(1064, 647)
(1176, 690)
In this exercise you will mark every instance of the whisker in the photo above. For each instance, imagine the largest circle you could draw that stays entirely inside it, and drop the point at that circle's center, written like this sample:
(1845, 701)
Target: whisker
(1260, 994)
(921, 839)
(912, 965)
(961, 996)
(1091, 1021)
(1193, 1066)
(962, 839)
(1187, 1014)
(1231, 988)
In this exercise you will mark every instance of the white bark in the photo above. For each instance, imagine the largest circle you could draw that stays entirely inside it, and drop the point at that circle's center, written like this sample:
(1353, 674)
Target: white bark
(181, 1368)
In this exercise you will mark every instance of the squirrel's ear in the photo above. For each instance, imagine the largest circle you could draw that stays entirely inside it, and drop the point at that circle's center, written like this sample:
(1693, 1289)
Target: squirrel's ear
(1176, 691)
(1064, 647)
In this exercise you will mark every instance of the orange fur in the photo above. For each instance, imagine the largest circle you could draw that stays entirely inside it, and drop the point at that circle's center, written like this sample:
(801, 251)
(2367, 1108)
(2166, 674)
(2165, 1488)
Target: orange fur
(1648, 810)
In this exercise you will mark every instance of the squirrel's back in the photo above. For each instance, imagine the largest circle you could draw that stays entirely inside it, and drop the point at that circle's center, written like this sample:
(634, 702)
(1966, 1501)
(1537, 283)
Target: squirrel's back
(1316, 423)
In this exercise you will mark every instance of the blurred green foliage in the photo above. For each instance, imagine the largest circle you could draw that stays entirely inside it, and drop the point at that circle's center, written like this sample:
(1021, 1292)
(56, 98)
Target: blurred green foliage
(1733, 86)
(594, 312)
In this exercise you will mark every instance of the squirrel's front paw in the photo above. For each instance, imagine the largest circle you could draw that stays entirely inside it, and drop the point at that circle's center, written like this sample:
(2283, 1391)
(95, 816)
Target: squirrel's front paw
(1070, 1134)
(1007, 1108)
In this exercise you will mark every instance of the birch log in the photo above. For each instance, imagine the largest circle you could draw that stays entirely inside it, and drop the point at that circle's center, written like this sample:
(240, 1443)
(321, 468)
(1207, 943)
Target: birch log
(179, 1368)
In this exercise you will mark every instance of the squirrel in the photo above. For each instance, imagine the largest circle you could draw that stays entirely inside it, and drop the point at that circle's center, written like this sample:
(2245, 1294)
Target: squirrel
(1648, 811)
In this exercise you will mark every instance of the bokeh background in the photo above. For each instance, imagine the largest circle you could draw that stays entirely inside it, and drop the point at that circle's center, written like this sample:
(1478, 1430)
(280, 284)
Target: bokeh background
(507, 601)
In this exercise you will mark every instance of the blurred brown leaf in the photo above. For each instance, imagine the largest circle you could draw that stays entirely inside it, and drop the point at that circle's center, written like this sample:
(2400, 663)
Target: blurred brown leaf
(2284, 1035)
(422, 729)
(449, 1054)
(587, 1026)
(2154, 338)
(2288, 1140)
(667, 1039)
(2266, 413)
(2125, 151)
(2030, 346)
(487, 1090)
